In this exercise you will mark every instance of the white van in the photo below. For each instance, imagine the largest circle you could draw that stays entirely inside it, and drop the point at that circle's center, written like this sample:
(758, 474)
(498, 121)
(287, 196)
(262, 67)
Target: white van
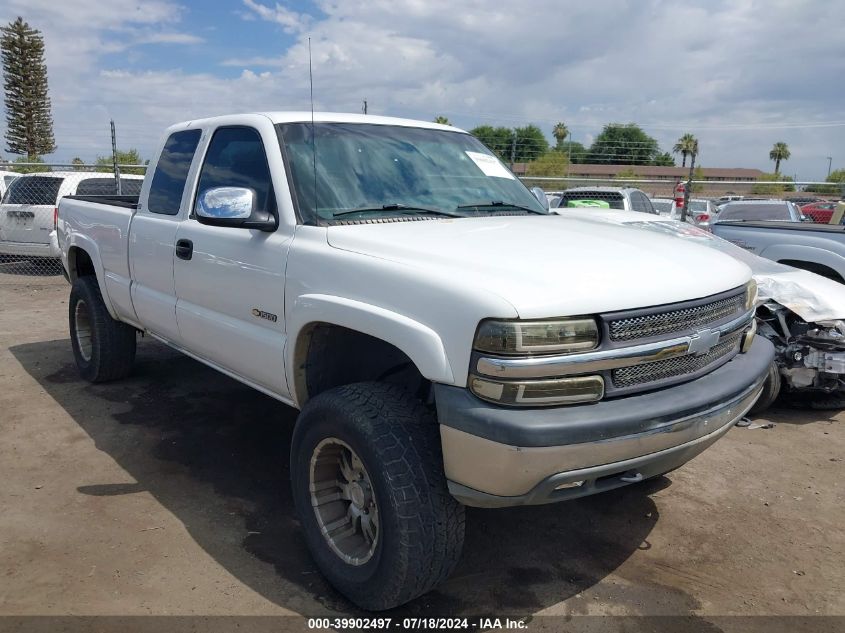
(28, 207)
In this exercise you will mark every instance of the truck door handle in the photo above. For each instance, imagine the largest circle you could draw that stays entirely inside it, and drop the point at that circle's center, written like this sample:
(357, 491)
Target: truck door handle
(184, 249)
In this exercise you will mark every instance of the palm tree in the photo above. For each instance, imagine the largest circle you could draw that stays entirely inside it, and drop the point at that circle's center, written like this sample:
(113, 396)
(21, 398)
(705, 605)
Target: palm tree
(442, 120)
(560, 132)
(687, 145)
(780, 151)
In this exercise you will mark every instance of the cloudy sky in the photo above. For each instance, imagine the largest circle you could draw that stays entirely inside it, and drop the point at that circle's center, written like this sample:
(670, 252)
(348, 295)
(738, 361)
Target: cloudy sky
(739, 74)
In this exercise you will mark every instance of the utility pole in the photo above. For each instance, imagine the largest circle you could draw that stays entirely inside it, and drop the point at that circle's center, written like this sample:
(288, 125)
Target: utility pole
(569, 157)
(688, 189)
(114, 159)
(829, 162)
(513, 149)
(365, 106)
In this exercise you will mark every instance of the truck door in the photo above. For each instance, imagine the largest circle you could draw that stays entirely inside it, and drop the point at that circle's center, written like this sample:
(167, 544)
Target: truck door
(152, 237)
(230, 281)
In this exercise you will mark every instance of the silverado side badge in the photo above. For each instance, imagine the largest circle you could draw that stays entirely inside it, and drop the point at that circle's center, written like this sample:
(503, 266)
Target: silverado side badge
(264, 315)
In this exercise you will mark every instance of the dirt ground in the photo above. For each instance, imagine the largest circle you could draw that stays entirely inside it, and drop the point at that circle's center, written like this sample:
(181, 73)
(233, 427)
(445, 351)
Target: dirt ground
(167, 493)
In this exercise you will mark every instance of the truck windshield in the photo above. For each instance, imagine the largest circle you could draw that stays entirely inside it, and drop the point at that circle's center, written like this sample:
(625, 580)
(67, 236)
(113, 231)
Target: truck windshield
(364, 170)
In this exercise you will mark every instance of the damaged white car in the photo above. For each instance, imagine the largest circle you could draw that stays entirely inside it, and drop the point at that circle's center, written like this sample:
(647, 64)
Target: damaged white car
(801, 313)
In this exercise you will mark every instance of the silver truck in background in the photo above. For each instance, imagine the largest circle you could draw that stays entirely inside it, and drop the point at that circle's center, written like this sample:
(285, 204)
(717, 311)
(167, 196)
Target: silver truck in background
(818, 248)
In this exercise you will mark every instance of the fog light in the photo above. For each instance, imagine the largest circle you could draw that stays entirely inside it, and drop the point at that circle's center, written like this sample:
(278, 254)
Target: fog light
(748, 337)
(539, 392)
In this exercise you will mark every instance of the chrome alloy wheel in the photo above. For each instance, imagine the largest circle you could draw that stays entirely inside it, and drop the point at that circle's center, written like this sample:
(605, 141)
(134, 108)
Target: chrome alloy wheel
(344, 501)
(82, 330)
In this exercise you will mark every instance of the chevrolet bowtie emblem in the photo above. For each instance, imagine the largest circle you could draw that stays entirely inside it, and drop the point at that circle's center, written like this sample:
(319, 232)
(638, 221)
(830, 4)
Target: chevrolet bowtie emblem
(702, 342)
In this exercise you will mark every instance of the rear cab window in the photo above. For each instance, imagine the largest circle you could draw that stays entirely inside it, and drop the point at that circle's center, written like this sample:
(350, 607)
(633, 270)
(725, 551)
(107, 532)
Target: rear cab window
(171, 172)
(108, 187)
(755, 212)
(35, 190)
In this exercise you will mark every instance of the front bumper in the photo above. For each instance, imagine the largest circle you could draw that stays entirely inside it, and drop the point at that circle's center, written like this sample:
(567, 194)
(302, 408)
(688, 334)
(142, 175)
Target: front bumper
(495, 456)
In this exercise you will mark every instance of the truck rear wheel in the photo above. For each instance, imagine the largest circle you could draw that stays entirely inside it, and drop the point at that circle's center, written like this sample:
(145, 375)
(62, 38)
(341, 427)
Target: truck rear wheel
(104, 349)
(369, 488)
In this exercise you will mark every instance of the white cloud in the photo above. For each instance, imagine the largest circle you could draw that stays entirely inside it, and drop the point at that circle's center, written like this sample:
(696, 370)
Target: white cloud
(266, 62)
(291, 21)
(168, 38)
(734, 72)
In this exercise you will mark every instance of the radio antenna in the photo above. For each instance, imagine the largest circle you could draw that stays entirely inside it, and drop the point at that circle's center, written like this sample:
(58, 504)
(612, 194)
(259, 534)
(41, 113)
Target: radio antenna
(313, 135)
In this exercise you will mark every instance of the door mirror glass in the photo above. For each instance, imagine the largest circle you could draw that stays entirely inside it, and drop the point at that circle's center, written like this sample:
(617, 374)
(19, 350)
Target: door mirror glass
(225, 203)
(541, 197)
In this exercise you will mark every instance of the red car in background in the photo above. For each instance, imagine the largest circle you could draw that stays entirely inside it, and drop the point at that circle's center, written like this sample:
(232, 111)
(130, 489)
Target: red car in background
(819, 212)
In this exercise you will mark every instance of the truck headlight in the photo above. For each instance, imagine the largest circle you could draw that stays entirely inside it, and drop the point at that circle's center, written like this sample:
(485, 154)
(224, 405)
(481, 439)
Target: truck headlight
(751, 295)
(562, 336)
(528, 393)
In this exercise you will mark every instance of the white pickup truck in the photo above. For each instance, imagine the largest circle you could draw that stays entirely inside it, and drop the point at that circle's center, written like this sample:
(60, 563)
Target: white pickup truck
(448, 341)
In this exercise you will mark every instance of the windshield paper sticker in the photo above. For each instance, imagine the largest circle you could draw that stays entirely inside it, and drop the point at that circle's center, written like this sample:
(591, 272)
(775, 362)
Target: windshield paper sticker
(489, 165)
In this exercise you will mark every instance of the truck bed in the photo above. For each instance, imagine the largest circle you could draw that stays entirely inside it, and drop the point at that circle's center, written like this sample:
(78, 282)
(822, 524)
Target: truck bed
(127, 202)
(784, 226)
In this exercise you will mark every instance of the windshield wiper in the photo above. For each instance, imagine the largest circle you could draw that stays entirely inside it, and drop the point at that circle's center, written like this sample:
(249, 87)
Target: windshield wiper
(399, 207)
(499, 203)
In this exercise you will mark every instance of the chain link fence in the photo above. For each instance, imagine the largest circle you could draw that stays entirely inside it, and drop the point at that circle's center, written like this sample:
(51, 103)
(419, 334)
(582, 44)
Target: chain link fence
(29, 207)
(29, 202)
(816, 200)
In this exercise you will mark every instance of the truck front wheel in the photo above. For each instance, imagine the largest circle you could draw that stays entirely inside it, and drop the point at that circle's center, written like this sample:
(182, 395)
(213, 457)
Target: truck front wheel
(369, 488)
(104, 349)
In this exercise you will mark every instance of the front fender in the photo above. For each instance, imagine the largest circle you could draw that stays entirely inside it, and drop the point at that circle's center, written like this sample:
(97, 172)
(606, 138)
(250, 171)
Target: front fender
(419, 342)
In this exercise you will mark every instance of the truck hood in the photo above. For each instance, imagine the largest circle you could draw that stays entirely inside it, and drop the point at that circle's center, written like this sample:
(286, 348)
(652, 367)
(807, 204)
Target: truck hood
(550, 265)
(814, 298)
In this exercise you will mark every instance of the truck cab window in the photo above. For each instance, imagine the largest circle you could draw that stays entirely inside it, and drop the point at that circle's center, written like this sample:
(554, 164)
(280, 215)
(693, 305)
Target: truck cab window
(236, 158)
(171, 172)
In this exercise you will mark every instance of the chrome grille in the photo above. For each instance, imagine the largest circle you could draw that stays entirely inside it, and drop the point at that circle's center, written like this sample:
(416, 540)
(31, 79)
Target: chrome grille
(673, 367)
(675, 320)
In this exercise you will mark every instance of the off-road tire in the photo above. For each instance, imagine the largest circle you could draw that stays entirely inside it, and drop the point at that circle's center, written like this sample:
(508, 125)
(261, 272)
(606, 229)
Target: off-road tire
(112, 343)
(421, 526)
(771, 390)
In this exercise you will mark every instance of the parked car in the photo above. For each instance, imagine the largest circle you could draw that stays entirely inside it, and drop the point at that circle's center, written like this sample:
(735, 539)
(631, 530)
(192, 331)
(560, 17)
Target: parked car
(626, 198)
(699, 212)
(448, 340)
(801, 313)
(665, 207)
(703, 212)
(819, 248)
(819, 212)
(28, 208)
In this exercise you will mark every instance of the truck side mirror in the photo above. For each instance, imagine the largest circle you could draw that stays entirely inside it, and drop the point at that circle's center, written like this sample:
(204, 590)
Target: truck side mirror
(541, 197)
(234, 207)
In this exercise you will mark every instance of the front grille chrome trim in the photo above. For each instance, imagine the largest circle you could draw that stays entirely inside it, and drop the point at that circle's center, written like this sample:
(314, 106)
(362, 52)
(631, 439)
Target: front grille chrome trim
(602, 360)
(674, 368)
(644, 326)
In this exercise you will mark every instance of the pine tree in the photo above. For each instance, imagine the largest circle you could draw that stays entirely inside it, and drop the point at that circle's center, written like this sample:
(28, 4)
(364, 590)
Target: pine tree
(29, 123)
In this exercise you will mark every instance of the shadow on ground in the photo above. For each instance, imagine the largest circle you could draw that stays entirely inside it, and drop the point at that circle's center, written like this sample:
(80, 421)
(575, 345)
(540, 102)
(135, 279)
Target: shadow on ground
(215, 454)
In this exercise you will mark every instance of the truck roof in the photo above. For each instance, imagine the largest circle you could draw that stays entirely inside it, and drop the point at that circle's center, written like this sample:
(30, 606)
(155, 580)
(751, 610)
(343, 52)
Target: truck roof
(304, 116)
